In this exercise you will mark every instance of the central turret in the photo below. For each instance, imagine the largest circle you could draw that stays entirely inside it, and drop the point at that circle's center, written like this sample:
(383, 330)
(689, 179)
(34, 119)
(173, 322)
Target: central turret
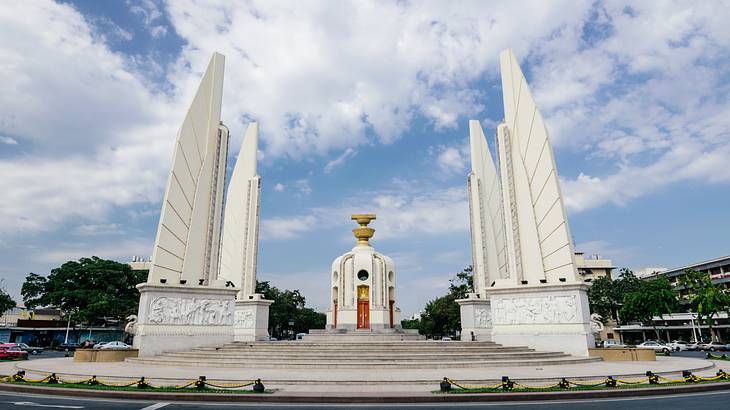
(363, 285)
(363, 233)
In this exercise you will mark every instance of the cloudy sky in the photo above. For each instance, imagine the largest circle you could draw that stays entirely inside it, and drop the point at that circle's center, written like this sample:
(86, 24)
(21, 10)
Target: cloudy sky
(363, 106)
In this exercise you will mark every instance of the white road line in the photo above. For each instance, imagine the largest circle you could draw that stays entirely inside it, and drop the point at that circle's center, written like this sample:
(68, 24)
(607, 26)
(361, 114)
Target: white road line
(33, 404)
(155, 406)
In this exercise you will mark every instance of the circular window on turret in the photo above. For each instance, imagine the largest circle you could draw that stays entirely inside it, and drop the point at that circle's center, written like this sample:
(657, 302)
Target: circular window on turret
(363, 275)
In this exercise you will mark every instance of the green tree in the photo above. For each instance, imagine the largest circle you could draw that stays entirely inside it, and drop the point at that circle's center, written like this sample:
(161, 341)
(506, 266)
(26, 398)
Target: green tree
(606, 295)
(33, 291)
(289, 306)
(704, 297)
(6, 302)
(442, 316)
(87, 289)
(462, 284)
(653, 298)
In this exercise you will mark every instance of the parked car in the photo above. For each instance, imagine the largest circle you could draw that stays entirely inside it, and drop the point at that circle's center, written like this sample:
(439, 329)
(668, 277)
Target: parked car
(98, 345)
(678, 345)
(612, 343)
(693, 346)
(68, 347)
(712, 346)
(115, 345)
(446, 339)
(9, 351)
(30, 349)
(658, 347)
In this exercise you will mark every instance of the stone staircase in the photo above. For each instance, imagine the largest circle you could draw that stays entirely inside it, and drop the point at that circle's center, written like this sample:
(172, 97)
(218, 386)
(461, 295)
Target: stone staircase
(363, 354)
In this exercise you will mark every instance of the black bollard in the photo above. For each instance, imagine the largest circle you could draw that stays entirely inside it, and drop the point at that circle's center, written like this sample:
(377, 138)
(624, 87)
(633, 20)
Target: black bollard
(445, 385)
(258, 387)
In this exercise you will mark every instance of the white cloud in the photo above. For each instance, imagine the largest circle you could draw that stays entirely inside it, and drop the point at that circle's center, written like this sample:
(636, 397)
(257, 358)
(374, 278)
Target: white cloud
(119, 250)
(7, 140)
(303, 187)
(287, 228)
(319, 82)
(408, 209)
(99, 229)
(150, 13)
(349, 153)
(279, 187)
(453, 160)
(645, 96)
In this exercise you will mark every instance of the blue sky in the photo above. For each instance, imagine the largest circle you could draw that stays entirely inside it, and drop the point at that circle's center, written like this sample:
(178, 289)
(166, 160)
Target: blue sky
(362, 107)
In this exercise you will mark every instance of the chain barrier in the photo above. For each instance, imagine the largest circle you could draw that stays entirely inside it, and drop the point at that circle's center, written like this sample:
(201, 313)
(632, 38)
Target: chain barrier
(199, 384)
(651, 378)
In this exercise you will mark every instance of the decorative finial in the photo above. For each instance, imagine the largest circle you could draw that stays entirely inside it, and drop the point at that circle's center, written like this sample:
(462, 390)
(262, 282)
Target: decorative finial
(363, 233)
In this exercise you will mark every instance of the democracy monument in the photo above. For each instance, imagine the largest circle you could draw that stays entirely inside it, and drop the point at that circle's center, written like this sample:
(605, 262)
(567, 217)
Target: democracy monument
(527, 316)
(201, 288)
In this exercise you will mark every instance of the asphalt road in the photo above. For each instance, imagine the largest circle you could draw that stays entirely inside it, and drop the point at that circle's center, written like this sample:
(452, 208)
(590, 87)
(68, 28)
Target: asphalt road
(47, 354)
(696, 401)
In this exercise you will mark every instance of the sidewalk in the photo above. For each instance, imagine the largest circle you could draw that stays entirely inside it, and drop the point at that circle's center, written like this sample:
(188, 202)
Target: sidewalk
(361, 380)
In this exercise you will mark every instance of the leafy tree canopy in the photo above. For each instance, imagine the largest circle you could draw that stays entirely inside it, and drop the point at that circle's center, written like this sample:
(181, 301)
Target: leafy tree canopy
(6, 302)
(442, 316)
(87, 289)
(704, 297)
(655, 297)
(289, 305)
(606, 295)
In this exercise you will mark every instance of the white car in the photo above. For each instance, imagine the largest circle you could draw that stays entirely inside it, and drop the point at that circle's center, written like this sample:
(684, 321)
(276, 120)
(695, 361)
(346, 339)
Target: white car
(658, 347)
(678, 345)
(612, 343)
(99, 345)
(115, 345)
(712, 346)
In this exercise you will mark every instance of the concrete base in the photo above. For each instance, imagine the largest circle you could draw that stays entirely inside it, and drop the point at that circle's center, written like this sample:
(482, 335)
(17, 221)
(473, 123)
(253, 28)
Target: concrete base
(476, 319)
(547, 317)
(103, 355)
(365, 335)
(623, 355)
(251, 319)
(182, 317)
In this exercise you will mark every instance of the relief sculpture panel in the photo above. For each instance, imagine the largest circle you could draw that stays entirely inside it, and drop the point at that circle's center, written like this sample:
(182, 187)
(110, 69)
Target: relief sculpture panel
(534, 310)
(482, 317)
(244, 319)
(190, 311)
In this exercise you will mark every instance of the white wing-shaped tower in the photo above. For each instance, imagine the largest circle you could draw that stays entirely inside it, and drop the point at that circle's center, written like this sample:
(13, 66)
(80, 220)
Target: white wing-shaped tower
(486, 213)
(241, 219)
(525, 285)
(188, 235)
(541, 246)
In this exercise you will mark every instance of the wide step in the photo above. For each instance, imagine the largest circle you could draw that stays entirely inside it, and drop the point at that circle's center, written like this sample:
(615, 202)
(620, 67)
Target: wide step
(365, 354)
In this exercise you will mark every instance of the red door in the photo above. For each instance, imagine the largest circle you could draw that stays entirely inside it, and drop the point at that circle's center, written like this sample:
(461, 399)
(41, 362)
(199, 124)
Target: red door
(392, 302)
(334, 317)
(363, 314)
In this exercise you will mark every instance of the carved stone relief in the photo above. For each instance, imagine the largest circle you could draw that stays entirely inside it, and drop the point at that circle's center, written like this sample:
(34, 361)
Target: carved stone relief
(534, 310)
(245, 319)
(482, 317)
(190, 311)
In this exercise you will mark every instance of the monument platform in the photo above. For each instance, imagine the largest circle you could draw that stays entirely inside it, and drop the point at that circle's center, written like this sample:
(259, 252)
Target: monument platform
(365, 354)
(380, 335)
(346, 381)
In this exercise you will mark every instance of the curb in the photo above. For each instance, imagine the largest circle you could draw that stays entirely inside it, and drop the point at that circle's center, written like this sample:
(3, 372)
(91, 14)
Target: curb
(316, 397)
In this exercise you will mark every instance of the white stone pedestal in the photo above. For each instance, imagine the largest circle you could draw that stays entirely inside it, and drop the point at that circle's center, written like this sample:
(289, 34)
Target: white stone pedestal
(252, 319)
(181, 317)
(547, 317)
(476, 319)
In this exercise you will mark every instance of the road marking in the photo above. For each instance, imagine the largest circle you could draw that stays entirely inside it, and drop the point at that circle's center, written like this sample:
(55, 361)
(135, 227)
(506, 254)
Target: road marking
(155, 406)
(33, 404)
